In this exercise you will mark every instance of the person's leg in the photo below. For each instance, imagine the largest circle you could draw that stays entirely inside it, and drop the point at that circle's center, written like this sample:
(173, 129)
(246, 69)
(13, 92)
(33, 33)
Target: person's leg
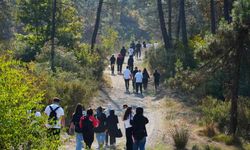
(140, 53)
(125, 80)
(98, 138)
(129, 140)
(103, 136)
(137, 86)
(135, 145)
(142, 143)
(140, 84)
(112, 140)
(118, 68)
(121, 67)
(79, 139)
(106, 139)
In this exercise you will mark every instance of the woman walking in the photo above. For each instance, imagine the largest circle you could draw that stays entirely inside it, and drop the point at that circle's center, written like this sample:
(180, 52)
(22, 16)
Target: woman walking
(139, 129)
(75, 125)
(87, 124)
(145, 78)
(112, 122)
(128, 116)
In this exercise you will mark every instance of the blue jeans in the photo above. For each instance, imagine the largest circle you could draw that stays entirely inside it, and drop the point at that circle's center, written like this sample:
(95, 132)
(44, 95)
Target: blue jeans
(79, 141)
(100, 138)
(139, 144)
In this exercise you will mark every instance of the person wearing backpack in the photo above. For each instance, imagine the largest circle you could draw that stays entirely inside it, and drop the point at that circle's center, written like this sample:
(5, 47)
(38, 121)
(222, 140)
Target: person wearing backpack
(56, 119)
(139, 131)
(101, 129)
(87, 124)
(76, 125)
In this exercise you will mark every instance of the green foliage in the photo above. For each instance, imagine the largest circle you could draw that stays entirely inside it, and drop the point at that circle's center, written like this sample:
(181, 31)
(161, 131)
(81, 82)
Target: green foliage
(180, 137)
(227, 139)
(20, 92)
(109, 38)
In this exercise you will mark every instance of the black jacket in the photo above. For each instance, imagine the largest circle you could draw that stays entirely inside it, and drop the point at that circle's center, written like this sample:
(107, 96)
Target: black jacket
(112, 60)
(102, 123)
(123, 52)
(112, 122)
(130, 61)
(139, 127)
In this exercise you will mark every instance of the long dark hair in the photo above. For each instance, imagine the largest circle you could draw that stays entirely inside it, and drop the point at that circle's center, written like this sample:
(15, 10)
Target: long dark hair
(127, 113)
(79, 109)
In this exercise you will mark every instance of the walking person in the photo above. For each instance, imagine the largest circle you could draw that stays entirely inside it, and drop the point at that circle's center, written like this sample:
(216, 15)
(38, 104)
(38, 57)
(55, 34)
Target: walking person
(139, 131)
(131, 63)
(101, 129)
(132, 45)
(112, 122)
(156, 79)
(75, 124)
(127, 76)
(112, 64)
(127, 118)
(87, 124)
(133, 80)
(119, 62)
(138, 81)
(123, 53)
(56, 120)
(138, 50)
(144, 44)
(107, 113)
(145, 78)
(131, 52)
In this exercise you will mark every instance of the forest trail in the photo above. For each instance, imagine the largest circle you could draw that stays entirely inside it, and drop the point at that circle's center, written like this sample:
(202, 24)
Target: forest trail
(165, 111)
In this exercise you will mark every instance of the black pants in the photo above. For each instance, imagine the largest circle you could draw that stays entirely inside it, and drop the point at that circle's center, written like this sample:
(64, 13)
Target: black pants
(127, 83)
(88, 140)
(156, 85)
(131, 67)
(139, 85)
(129, 140)
(107, 138)
(119, 68)
(112, 68)
(112, 140)
(145, 84)
(134, 85)
(138, 54)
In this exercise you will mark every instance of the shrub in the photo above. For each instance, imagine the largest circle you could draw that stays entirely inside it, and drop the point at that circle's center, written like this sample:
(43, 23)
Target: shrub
(227, 139)
(180, 137)
(209, 130)
(209, 147)
(19, 93)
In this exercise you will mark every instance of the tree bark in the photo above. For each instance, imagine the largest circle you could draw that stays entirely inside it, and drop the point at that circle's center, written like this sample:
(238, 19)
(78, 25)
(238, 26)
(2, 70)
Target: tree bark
(212, 12)
(163, 25)
(178, 27)
(53, 32)
(170, 21)
(228, 5)
(97, 23)
(183, 23)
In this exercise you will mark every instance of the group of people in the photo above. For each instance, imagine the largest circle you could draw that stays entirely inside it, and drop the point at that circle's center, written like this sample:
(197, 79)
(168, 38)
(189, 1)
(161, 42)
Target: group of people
(139, 78)
(103, 123)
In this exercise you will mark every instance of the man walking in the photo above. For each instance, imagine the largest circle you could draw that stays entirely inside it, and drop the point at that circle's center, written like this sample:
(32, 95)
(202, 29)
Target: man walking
(138, 81)
(127, 76)
(156, 79)
(112, 64)
(56, 119)
(138, 50)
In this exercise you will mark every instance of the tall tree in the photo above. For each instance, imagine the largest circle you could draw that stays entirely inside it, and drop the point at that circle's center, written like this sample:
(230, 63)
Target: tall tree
(163, 25)
(53, 32)
(183, 23)
(97, 23)
(170, 21)
(212, 13)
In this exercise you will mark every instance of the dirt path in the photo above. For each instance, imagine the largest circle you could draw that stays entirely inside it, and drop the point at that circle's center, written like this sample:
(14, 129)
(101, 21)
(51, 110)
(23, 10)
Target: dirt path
(164, 110)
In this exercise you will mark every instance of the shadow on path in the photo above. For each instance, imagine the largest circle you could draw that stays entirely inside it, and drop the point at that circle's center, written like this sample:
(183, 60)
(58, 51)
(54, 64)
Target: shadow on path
(110, 99)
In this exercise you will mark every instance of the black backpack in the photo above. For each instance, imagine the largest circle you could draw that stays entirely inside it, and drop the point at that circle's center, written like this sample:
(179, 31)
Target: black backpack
(53, 116)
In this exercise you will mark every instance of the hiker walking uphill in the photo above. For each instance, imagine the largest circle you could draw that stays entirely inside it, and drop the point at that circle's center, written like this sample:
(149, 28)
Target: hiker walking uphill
(112, 64)
(112, 122)
(101, 129)
(127, 118)
(75, 124)
(139, 132)
(138, 81)
(119, 62)
(87, 124)
(156, 79)
(131, 52)
(127, 76)
(123, 53)
(131, 63)
(138, 50)
(56, 119)
(145, 79)
(132, 45)
(133, 80)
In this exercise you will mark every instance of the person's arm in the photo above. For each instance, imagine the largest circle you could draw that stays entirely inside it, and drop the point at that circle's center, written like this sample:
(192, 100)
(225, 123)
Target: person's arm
(146, 120)
(63, 121)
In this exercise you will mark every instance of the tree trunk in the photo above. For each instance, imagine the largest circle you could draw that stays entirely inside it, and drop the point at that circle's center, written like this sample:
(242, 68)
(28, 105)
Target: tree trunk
(170, 21)
(97, 23)
(53, 32)
(163, 25)
(178, 27)
(183, 23)
(212, 12)
(228, 5)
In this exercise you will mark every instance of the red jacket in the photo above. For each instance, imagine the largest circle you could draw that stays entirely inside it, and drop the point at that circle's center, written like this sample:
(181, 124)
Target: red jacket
(94, 121)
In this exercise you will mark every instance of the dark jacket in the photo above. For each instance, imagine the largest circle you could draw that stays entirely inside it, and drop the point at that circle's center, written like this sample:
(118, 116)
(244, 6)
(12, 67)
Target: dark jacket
(112, 122)
(112, 60)
(138, 46)
(145, 76)
(123, 52)
(102, 123)
(157, 77)
(76, 119)
(130, 61)
(139, 127)
(119, 60)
